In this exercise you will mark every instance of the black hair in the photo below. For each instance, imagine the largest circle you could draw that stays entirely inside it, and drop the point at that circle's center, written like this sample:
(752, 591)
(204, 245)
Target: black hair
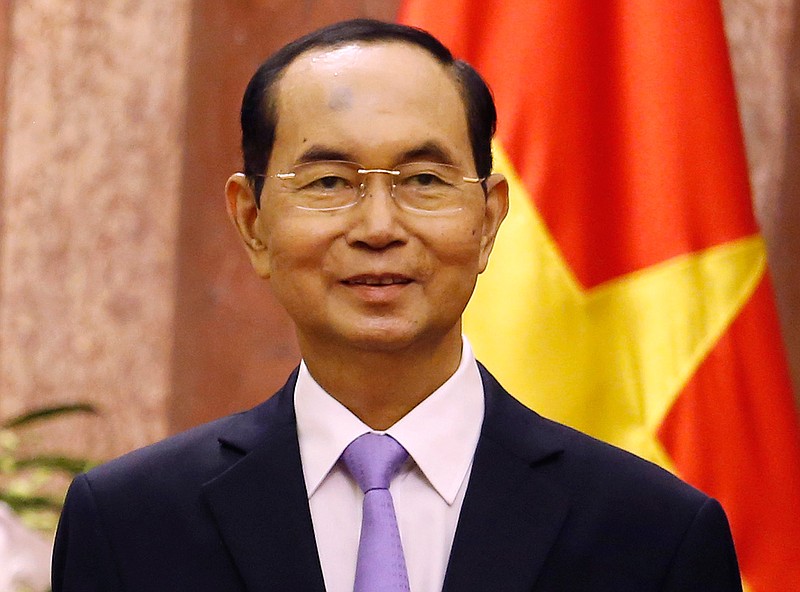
(259, 115)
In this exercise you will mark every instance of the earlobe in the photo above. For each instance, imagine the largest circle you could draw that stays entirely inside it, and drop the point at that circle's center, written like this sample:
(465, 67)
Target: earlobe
(495, 213)
(244, 213)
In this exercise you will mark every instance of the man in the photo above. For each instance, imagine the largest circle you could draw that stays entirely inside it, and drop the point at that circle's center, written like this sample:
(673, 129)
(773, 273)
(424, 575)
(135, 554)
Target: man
(369, 203)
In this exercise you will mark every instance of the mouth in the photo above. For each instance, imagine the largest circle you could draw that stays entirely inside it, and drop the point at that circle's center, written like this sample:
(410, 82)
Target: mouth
(379, 280)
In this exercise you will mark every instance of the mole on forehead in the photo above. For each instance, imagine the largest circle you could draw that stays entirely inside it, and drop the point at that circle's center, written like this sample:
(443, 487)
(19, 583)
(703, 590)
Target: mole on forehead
(341, 98)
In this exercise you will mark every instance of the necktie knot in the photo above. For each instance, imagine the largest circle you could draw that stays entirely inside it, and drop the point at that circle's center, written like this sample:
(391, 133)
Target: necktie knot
(373, 460)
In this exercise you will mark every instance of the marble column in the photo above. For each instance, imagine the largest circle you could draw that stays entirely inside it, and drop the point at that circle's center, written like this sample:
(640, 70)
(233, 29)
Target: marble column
(93, 146)
(764, 40)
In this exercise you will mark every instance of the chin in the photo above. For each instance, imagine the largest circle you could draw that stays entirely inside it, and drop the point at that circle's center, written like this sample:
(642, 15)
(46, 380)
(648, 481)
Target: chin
(396, 337)
(382, 341)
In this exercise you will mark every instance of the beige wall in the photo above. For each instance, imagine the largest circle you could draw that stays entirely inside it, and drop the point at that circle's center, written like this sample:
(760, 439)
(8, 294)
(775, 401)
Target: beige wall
(120, 280)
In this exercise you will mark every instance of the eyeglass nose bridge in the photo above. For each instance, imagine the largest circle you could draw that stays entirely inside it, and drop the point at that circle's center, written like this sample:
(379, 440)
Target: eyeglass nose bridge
(365, 172)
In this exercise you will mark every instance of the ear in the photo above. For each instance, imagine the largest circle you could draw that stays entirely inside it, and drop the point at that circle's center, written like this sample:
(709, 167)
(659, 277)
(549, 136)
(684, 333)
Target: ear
(246, 217)
(494, 214)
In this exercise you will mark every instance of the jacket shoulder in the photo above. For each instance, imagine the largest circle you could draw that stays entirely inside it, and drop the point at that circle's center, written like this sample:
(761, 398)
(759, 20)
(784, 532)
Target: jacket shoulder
(582, 463)
(198, 454)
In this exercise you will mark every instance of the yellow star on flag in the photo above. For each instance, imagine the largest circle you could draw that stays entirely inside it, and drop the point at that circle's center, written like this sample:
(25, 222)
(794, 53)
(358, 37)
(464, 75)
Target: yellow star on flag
(611, 360)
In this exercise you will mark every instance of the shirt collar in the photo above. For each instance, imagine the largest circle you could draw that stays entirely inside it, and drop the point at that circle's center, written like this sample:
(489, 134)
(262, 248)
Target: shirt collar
(440, 434)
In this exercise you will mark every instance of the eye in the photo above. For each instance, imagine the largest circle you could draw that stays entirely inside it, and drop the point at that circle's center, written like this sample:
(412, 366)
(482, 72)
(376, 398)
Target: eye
(328, 183)
(425, 179)
(427, 176)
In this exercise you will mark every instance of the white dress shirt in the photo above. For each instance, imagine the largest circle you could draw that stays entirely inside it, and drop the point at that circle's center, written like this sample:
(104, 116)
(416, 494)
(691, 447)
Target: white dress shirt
(440, 435)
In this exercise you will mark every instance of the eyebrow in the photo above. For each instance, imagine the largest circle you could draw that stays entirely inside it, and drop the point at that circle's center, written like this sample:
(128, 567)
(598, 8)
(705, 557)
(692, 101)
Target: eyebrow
(317, 153)
(432, 151)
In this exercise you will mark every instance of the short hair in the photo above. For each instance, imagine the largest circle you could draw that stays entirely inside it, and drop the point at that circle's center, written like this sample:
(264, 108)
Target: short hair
(259, 116)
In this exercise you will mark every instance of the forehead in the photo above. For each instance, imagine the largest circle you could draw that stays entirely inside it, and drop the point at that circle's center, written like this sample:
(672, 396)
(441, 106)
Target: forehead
(363, 97)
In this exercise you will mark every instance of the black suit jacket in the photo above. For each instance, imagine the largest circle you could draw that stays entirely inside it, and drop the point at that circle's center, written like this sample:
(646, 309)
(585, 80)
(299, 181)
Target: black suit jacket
(223, 507)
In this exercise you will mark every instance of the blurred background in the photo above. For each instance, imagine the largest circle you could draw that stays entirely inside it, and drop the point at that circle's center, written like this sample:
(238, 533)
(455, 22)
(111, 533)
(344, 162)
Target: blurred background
(122, 283)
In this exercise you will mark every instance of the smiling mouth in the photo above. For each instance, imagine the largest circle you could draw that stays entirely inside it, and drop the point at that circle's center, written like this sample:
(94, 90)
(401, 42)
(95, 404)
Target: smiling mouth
(376, 280)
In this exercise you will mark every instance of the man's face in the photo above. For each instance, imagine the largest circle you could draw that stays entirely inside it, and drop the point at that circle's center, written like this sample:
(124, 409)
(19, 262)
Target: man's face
(372, 276)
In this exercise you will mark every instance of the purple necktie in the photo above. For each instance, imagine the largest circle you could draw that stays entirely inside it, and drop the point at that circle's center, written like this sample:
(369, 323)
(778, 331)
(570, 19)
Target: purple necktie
(373, 459)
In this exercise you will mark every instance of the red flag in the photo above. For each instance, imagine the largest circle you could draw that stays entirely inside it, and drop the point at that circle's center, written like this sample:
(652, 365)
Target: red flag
(630, 296)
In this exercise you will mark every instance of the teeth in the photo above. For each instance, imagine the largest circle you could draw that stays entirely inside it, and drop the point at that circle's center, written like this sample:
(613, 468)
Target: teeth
(380, 281)
(372, 281)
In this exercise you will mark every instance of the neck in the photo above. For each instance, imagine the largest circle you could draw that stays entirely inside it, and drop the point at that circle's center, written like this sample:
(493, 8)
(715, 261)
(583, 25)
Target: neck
(381, 387)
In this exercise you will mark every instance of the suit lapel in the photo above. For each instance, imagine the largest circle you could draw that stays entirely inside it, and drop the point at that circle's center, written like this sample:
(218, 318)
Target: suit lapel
(512, 511)
(511, 516)
(260, 503)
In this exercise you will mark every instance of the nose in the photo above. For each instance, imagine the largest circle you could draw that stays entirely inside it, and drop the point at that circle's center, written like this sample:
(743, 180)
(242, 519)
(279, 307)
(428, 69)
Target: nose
(377, 219)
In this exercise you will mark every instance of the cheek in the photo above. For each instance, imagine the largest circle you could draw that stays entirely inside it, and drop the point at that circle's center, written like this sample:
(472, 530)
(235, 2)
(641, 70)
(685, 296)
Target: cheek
(459, 247)
(294, 246)
(296, 279)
